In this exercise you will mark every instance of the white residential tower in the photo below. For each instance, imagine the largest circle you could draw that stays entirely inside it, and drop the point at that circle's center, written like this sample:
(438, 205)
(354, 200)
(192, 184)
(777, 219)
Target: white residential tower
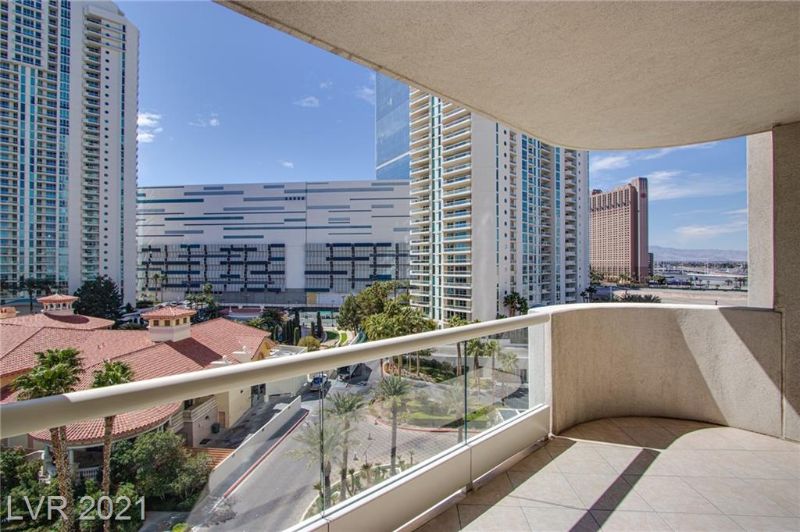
(68, 106)
(493, 212)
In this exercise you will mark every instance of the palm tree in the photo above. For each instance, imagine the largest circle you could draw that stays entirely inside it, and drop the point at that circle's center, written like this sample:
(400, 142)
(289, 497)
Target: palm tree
(393, 389)
(455, 403)
(318, 445)
(508, 364)
(111, 374)
(348, 408)
(57, 371)
(457, 321)
(157, 281)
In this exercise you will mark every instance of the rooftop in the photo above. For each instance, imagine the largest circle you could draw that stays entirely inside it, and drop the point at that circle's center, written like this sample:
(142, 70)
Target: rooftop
(168, 312)
(57, 298)
(72, 321)
(210, 341)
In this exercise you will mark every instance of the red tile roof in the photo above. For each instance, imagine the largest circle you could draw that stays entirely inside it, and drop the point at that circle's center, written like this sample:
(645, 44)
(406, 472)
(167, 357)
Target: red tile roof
(169, 312)
(73, 321)
(57, 298)
(210, 341)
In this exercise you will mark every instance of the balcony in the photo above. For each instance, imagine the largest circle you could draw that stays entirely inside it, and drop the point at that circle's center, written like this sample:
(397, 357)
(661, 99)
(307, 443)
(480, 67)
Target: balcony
(732, 367)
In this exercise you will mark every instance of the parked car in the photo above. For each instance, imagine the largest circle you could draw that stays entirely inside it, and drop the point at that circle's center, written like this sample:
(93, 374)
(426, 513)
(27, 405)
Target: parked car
(318, 382)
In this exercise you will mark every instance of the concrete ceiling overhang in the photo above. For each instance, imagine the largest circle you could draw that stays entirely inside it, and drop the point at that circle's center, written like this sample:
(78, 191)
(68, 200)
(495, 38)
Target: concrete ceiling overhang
(596, 75)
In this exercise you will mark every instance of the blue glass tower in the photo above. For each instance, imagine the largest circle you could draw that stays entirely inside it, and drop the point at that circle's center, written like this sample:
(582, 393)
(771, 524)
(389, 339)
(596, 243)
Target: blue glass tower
(391, 129)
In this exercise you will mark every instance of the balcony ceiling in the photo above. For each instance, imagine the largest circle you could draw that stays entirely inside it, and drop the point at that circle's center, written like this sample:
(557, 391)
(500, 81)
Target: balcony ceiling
(600, 75)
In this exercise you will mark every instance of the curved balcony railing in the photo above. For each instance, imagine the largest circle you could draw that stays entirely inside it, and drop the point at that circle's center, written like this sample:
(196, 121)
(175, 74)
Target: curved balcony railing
(568, 363)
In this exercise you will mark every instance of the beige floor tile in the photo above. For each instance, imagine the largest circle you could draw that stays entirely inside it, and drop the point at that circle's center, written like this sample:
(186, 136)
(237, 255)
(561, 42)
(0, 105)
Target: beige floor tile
(785, 493)
(445, 522)
(496, 491)
(751, 464)
(767, 524)
(670, 494)
(628, 460)
(680, 427)
(491, 518)
(543, 490)
(582, 460)
(635, 422)
(689, 463)
(699, 522)
(652, 437)
(733, 496)
(538, 461)
(600, 431)
(606, 492)
(708, 438)
(629, 521)
(559, 519)
(786, 461)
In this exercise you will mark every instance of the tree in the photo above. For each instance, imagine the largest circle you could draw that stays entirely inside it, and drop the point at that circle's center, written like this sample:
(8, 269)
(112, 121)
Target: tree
(320, 328)
(113, 372)
(638, 298)
(595, 277)
(191, 478)
(508, 364)
(157, 278)
(100, 298)
(319, 445)
(349, 318)
(309, 342)
(34, 286)
(57, 371)
(159, 457)
(268, 320)
(397, 319)
(372, 300)
(479, 348)
(349, 409)
(20, 482)
(394, 390)
(457, 321)
(205, 304)
(515, 303)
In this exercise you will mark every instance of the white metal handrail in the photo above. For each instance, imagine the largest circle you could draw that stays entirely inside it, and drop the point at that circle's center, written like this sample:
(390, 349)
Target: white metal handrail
(27, 416)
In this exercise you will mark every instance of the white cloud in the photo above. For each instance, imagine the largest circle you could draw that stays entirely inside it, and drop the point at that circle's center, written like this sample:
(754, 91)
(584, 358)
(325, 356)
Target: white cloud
(366, 93)
(609, 162)
(327, 84)
(308, 101)
(710, 231)
(210, 120)
(148, 125)
(287, 164)
(736, 223)
(675, 184)
(657, 154)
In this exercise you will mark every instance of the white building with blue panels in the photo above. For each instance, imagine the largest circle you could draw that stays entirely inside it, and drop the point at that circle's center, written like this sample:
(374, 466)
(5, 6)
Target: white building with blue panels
(298, 243)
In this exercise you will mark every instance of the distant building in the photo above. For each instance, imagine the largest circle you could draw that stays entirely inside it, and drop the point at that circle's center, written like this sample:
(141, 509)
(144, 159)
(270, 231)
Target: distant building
(391, 129)
(493, 211)
(279, 243)
(619, 231)
(68, 108)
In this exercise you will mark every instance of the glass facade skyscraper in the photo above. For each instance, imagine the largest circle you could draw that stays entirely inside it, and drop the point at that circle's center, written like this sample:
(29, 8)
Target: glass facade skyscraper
(68, 108)
(391, 129)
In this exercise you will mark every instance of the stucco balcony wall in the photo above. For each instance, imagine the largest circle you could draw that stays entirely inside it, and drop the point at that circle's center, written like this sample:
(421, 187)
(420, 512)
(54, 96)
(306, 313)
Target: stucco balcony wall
(712, 364)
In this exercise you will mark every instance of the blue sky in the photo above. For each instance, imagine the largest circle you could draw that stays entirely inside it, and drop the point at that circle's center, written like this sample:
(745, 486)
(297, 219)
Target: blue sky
(226, 99)
(698, 196)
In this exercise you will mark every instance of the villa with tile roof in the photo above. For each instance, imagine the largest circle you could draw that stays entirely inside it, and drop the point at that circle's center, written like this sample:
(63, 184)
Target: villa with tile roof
(171, 345)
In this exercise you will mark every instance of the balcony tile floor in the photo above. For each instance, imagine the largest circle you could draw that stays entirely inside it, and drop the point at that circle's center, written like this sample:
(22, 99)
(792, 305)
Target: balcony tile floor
(640, 474)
